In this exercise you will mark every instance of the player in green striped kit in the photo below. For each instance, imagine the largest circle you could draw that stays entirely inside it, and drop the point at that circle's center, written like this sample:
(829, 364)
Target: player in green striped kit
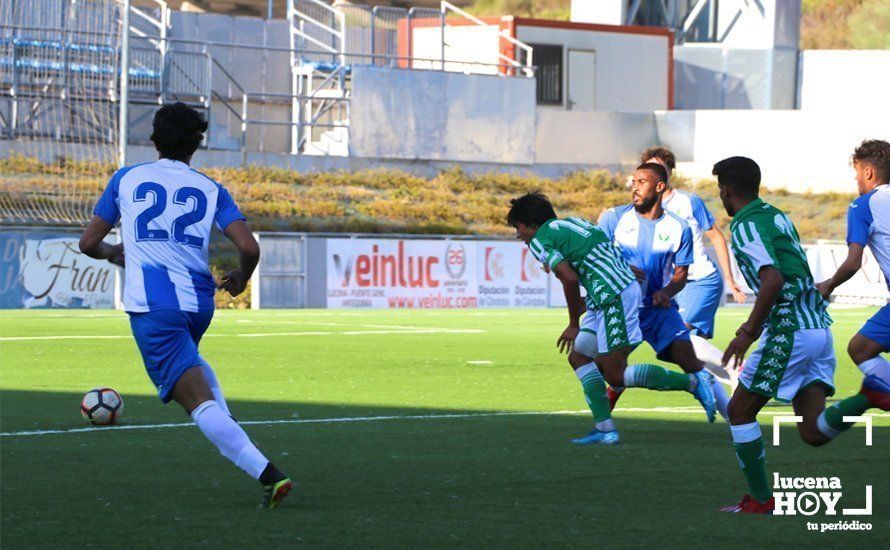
(795, 360)
(579, 253)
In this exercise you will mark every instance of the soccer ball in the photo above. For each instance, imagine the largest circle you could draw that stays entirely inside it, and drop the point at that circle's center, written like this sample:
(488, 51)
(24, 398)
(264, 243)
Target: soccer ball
(102, 406)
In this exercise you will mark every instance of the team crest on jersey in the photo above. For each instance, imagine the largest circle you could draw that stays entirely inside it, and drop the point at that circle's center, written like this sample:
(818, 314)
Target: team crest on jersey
(663, 236)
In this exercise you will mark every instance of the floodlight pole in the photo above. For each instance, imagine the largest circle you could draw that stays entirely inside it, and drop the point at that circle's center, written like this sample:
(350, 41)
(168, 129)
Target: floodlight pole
(124, 84)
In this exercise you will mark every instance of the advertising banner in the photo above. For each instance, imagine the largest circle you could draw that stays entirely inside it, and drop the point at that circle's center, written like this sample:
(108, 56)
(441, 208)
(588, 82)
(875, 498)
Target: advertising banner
(396, 273)
(509, 276)
(47, 270)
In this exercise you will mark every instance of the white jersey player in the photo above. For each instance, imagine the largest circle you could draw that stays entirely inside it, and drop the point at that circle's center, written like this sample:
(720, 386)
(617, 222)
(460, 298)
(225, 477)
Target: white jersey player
(166, 212)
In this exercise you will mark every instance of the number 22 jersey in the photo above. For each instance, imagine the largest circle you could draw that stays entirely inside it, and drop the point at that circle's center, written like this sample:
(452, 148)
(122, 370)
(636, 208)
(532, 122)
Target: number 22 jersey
(166, 211)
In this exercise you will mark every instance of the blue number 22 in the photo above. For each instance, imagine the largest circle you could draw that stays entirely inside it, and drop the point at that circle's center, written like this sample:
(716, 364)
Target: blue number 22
(182, 195)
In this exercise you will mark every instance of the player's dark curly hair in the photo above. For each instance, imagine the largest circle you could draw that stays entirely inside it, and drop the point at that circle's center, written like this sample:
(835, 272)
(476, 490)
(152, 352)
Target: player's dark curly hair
(656, 169)
(740, 174)
(177, 131)
(532, 209)
(663, 154)
(876, 153)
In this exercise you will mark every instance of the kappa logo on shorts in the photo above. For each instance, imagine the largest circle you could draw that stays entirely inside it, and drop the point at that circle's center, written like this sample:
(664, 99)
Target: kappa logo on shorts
(785, 323)
(765, 386)
(784, 311)
(772, 363)
(778, 352)
(614, 320)
(613, 309)
(780, 339)
(770, 375)
(615, 332)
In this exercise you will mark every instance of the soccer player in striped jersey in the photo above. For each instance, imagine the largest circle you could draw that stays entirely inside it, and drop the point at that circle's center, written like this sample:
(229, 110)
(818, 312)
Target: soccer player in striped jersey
(166, 212)
(659, 244)
(868, 224)
(578, 253)
(795, 360)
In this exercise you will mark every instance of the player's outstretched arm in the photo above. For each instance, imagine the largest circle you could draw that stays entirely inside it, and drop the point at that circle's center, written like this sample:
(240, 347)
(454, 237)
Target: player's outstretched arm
(771, 281)
(844, 272)
(92, 244)
(571, 288)
(719, 241)
(234, 282)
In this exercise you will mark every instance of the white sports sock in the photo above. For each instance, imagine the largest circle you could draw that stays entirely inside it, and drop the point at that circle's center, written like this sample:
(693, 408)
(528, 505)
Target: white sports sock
(878, 366)
(210, 377)
(720, 397)
(826, 430)
(745, 433)
(229, 438)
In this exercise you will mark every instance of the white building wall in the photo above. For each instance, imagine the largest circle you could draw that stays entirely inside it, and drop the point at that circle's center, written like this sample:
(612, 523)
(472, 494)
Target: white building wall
(849, 79)
(632, 70)
(796, 150)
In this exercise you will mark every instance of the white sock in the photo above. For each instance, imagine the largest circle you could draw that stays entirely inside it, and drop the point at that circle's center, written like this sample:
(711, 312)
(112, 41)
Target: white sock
(878, 366)
(745, 433)
(229, 438)
(720, 397)
(210, 377)
(826, 430)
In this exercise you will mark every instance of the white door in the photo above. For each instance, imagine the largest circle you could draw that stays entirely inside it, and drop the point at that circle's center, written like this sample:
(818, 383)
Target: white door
(581, 80)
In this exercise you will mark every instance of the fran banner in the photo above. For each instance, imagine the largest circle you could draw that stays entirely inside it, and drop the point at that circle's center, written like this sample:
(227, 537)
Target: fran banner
(47, 270)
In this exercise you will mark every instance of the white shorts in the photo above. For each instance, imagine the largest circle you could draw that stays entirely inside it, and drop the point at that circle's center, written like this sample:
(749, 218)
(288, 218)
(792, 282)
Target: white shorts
(614, 325)
(787, 362)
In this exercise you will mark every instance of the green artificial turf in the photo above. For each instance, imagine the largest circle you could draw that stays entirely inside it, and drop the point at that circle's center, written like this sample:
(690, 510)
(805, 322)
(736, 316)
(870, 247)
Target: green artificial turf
(452, 470)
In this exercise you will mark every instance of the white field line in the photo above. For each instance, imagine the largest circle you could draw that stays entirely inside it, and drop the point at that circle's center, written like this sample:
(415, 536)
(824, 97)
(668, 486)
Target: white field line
(348, 419)
(252, 334)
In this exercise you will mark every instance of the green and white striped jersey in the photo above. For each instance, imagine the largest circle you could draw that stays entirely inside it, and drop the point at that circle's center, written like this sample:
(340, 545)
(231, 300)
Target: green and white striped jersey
(762, 235)
(602, 270)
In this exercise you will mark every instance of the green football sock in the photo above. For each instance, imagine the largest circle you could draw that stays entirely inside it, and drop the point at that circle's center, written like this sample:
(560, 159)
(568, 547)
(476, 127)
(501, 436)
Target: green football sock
(752, 460)
(595, 392)
(655, 378)
(851, 406)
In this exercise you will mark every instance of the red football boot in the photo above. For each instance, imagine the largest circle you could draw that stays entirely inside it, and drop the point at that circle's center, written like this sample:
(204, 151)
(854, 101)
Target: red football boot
(749, 505)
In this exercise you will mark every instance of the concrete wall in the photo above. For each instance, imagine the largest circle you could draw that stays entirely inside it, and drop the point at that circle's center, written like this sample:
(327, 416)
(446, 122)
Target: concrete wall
(398, 114)
(854, 79)
(592, 138)
(621, 59)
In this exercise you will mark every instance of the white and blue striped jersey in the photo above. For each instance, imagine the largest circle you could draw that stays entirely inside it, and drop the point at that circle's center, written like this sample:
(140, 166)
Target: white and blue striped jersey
(868, 224)
(166, 211)
(655, 246)
(693, 211)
